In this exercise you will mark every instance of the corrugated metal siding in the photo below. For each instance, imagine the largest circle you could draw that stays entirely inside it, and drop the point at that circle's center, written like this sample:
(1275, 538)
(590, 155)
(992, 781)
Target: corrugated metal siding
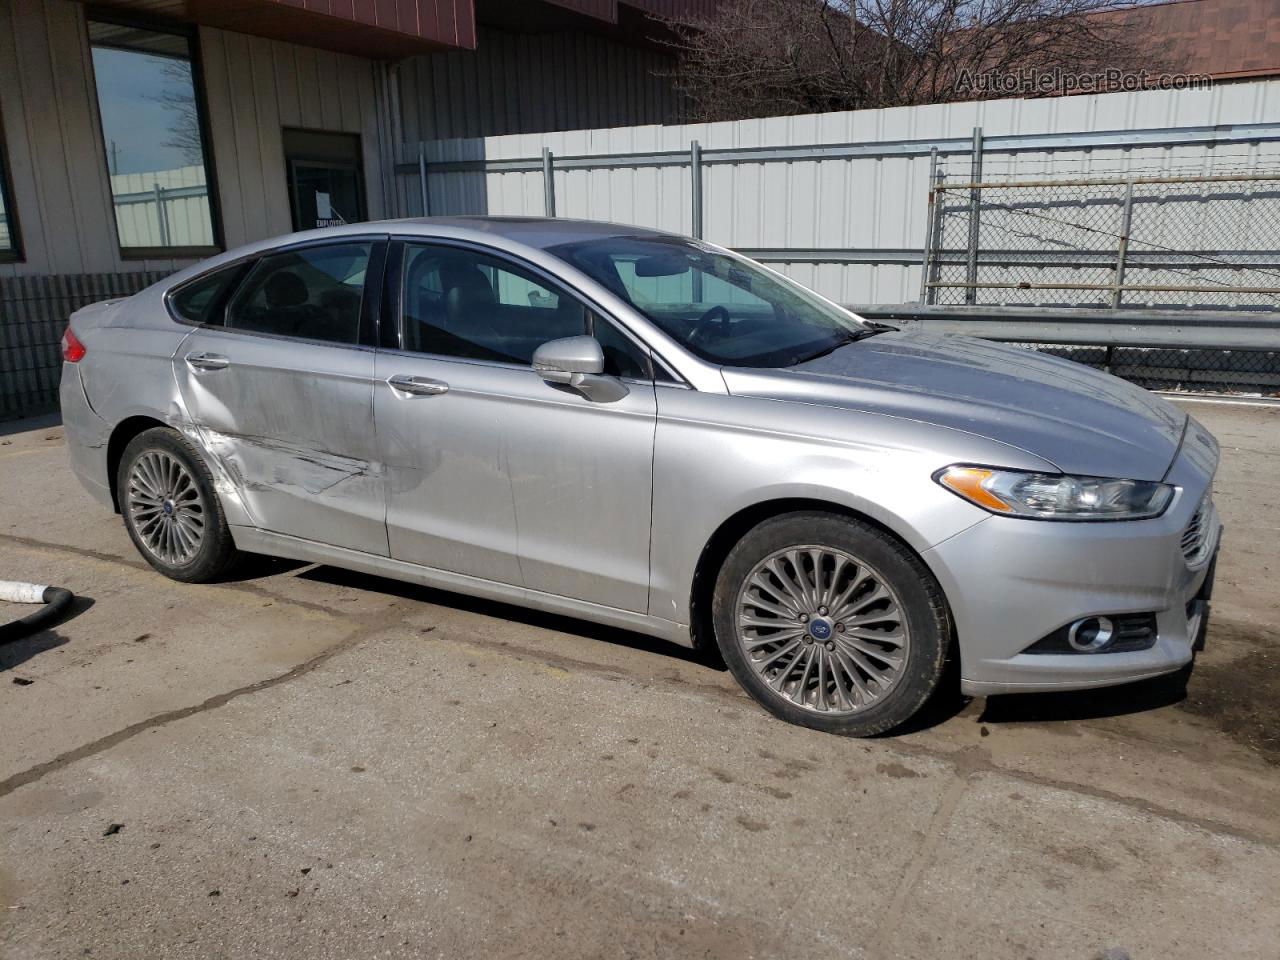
(518, 83)
(33, 314)
(253, 87)
(866, 209)
(602, 9)
(673, 8)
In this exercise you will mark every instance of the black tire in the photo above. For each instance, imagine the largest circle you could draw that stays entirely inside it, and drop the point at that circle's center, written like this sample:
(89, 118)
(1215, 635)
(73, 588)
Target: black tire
(216, 553)
(922, 604)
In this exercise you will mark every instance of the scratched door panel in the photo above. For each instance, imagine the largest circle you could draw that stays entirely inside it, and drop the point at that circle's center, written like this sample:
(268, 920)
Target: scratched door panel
(290, 423)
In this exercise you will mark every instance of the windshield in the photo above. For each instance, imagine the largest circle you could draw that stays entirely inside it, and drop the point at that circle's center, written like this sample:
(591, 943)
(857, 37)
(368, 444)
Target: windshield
(722, 307)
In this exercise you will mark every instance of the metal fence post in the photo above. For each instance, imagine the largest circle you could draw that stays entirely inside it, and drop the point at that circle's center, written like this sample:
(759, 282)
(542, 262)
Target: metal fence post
(1122, 251)
(548, 182)
(160, 214)
(926, 261)
(975, 202)
(422, 179)
(695, 173)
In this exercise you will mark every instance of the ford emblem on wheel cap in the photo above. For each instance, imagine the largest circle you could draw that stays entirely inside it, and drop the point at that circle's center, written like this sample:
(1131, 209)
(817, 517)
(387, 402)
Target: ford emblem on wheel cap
(820, 629)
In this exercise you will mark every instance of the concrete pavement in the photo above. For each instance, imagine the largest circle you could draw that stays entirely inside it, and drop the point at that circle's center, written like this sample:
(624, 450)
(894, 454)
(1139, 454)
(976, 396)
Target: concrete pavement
(308, 762)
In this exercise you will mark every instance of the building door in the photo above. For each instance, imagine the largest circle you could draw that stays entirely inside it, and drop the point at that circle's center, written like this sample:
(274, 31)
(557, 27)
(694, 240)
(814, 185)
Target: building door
(326, 179)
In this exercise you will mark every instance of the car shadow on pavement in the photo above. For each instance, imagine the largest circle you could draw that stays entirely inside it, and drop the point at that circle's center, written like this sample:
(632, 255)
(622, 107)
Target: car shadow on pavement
(1138, 697)
(259, 566)
(44, 421)
(14, 653)
(506, 611)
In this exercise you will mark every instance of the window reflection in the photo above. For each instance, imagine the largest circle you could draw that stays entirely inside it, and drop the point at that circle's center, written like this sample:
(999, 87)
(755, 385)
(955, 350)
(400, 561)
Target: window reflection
(151, 131)
(8, 228)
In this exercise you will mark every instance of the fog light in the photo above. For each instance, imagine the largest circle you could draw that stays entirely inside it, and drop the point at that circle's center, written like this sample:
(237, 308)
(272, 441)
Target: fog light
(1090, 634)
(1116, 633)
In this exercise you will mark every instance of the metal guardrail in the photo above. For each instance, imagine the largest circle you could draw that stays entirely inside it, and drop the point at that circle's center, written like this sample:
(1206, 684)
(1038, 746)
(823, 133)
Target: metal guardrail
(1169, 329)
(1208, 352)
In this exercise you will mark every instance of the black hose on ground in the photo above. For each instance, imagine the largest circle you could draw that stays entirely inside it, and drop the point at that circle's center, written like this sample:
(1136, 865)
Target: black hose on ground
(55, 600)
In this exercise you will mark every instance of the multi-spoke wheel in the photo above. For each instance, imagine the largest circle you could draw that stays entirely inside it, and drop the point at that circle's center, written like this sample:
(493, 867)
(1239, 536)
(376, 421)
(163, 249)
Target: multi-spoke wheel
(831, 623)
(822, 628)
(166, 507)
(170, 508)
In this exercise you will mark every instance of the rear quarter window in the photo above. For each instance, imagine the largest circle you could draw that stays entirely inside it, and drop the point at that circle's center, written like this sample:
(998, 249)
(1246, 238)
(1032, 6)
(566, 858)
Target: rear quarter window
(197, 300)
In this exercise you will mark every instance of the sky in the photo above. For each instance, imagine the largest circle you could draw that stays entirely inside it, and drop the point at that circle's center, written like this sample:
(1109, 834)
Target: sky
(128, 84)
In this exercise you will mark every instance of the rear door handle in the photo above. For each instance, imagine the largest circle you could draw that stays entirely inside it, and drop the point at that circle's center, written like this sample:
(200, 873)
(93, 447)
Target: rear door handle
(207, 361)
(418, 386)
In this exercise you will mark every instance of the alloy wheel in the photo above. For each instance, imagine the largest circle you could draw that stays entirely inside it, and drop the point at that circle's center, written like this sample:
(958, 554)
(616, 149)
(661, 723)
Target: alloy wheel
(823, 629)
(166, 508)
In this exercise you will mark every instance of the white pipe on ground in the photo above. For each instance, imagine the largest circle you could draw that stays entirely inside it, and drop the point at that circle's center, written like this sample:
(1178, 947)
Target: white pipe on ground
(54, 599)
(17, 592)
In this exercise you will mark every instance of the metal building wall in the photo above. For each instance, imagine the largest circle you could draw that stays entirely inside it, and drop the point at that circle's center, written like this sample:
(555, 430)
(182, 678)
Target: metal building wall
(852, 227)
(520, 83)
(253, 88)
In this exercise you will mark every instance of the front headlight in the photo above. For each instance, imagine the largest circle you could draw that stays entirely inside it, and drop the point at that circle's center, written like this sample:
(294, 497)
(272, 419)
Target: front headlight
(1055, 496)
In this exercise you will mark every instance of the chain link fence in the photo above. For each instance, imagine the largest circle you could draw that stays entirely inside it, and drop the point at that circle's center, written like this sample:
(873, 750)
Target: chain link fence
(1183, 243)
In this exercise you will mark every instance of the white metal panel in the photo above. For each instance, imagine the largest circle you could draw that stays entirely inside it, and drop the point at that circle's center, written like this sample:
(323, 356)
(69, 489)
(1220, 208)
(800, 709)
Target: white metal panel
(864, 208)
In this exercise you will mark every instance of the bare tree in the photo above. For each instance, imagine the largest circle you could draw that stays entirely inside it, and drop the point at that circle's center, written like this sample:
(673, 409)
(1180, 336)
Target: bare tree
(178, 97)
(774, 57)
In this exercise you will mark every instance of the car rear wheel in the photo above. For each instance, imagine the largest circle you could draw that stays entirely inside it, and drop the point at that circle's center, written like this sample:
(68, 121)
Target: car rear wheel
(170, 508)
(830, 623)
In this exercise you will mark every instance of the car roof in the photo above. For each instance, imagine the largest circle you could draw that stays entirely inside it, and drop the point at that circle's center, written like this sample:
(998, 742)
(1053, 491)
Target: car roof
(539, 232)
(531, 233)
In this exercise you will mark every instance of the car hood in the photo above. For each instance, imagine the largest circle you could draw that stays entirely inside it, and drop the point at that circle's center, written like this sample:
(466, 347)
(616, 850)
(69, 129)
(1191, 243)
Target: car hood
(1080, 420)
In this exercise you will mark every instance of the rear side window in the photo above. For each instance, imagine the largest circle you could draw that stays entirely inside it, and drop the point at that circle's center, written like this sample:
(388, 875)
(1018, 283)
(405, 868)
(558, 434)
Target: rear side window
(195, 302)
(314, 293)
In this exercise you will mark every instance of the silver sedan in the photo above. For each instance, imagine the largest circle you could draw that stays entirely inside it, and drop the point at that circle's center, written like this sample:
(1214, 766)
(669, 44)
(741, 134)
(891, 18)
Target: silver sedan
(649, 431)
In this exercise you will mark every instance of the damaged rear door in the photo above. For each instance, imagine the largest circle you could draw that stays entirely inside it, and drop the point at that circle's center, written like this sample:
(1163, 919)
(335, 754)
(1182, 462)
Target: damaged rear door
(280, 390)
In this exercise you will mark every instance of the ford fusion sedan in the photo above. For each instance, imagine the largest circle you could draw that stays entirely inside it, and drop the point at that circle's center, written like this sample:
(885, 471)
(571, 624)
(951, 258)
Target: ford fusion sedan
(649, 431)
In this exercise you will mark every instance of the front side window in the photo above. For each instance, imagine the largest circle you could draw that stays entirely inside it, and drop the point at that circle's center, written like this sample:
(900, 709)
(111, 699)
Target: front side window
(723, 308)
(460, 303)
(10, 248)
(153, 136)
(314, 293)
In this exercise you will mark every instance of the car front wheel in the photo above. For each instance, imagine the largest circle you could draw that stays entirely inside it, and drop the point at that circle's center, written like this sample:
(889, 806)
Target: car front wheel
(831, 623)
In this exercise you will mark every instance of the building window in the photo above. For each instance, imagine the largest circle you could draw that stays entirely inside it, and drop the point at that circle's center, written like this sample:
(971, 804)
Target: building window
(153, 132)
(10, 245)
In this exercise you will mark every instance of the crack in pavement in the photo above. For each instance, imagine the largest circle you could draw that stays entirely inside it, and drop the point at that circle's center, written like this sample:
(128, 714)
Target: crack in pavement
(18, 780)
(238, 586)
(965, 763)
(881, 940)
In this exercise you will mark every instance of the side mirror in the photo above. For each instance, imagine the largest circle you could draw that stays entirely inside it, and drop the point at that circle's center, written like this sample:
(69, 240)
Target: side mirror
(578, 363)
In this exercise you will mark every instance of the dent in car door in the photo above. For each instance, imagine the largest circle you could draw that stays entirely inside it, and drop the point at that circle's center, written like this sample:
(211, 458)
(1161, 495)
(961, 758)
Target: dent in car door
(283, 396)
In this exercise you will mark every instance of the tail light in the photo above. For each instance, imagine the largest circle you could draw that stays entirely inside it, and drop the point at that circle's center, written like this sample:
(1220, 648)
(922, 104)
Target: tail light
(73, 350)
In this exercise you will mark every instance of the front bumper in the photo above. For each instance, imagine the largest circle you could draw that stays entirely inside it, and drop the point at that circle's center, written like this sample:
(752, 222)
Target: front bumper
(1011, 582)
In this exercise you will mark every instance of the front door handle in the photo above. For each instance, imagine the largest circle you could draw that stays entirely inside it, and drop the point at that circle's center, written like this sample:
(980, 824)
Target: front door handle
(207, 361)
(418, 386)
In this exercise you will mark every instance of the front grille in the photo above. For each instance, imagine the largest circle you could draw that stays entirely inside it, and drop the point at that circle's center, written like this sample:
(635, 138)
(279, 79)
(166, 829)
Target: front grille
(1195, 538)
